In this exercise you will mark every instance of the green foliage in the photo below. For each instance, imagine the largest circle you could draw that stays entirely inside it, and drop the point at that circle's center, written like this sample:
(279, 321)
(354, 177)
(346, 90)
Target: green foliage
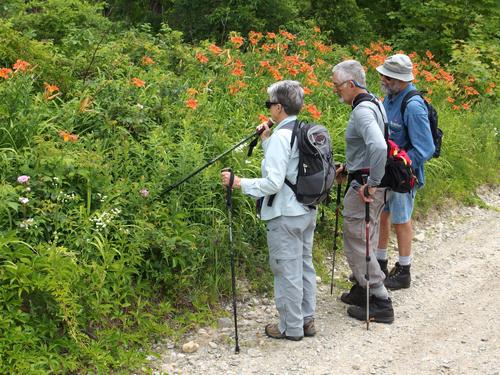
(343, 18)
(416, 20)
(95, 260)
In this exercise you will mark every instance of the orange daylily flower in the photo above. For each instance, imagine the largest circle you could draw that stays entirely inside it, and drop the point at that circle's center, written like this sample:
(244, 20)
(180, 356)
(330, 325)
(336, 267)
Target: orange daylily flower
(192, 92)
(263, 118)
(322, 47)
(68, 137)
(445, 75)
(307, 91)
(138, 82)
(470, 91)
(450, 99)
(320, 62)
(254, 37)
(355, 47)
(276, 74)
(455, 107)
(429, 54)
(202, 58)
(264, 64)
(21, 65)
(271, 35)
(315, 113)
(214, 49)
(238, 72)
(146, 60)
(266, 47)
(4, 73)
(237, 41)
(293, 72)
(287, 35)
(49, 89)
(192, 103)
(301, 43)
(465, 106)
(316, 29)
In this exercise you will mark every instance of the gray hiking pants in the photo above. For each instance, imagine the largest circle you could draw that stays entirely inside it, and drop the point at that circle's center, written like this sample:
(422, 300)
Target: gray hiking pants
(355, 234)
(290, 241)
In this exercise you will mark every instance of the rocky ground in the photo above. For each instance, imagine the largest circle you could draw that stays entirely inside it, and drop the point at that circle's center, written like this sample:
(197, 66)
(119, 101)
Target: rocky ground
(446, 323)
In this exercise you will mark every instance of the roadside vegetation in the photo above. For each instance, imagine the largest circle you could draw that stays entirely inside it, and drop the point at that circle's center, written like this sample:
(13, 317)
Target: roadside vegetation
(100, 114)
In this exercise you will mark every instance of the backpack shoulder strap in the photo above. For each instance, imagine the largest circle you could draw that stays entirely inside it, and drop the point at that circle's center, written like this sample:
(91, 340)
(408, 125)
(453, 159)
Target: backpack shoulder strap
(371, 98)
(294, 127)
(406, 99)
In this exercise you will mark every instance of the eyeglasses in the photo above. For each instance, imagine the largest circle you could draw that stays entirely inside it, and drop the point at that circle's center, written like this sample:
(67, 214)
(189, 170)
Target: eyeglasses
(339, 85)
(386, 77)
(269, 104)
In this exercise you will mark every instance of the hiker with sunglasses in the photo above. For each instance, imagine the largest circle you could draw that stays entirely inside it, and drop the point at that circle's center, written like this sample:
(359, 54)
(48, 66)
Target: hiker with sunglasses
(412, 133)
(366, 155)
(290, 224)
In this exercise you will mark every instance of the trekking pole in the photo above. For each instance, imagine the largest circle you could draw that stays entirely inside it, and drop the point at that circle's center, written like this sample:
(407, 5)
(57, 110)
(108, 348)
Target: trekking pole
(229, 202)
(337, 210)
(246, 139)
(367, 275)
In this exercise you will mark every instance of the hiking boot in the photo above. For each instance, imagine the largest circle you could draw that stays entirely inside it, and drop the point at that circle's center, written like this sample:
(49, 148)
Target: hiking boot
(399, 278)
(309, 329)
(273, 331)
(383, 267)
(356, 296)
(381, 311)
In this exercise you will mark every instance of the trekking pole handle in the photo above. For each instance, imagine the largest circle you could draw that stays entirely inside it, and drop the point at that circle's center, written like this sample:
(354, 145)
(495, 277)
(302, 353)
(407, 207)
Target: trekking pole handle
(229, 188)
(366, 193)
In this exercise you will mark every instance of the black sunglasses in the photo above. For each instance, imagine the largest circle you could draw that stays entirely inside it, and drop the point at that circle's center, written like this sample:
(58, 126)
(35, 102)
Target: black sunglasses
(269, 104)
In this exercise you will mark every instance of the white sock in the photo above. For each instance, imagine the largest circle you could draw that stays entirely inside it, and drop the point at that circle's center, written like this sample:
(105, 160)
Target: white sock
(405, 260)
(380, 292)
(382, 254)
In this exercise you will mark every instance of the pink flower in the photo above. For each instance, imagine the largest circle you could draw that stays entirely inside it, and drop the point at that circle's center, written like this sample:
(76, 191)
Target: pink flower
(23, 179)
(144, 193)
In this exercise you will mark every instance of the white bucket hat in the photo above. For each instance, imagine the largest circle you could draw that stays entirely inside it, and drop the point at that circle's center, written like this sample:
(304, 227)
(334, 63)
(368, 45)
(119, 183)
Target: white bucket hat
(398, 66)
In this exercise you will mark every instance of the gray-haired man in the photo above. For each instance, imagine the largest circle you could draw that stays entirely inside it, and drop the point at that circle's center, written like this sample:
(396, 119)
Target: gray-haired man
(290, 224)
(366, 154)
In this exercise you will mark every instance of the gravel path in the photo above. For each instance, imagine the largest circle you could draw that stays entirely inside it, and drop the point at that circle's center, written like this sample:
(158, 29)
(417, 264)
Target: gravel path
(446, 323)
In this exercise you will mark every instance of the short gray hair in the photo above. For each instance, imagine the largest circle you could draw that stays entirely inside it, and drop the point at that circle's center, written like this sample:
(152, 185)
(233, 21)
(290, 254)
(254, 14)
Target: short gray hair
(289, 94)
(350, 70)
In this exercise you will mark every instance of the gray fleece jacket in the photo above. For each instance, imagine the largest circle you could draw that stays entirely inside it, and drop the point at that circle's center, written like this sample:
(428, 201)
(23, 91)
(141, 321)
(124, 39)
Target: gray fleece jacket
(365, 143)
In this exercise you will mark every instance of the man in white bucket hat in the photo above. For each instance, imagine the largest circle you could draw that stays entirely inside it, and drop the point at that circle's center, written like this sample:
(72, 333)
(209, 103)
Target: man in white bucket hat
(412, 132)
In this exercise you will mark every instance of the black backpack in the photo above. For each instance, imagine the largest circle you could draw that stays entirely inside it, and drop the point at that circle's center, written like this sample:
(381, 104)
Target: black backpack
(437, 133)
(316, 173)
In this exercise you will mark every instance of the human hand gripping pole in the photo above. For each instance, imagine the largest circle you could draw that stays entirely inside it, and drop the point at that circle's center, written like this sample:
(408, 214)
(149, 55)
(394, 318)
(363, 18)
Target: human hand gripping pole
(366, 193)
(194, 173)
(229, 203)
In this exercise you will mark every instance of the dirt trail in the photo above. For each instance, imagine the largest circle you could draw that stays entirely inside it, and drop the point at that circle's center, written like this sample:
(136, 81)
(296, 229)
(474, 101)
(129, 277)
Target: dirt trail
(446, 323)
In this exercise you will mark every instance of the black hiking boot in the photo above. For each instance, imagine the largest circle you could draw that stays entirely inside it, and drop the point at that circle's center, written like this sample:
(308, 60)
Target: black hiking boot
(399, 278)
(383, 267)
(356, 296)
(381, 311)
